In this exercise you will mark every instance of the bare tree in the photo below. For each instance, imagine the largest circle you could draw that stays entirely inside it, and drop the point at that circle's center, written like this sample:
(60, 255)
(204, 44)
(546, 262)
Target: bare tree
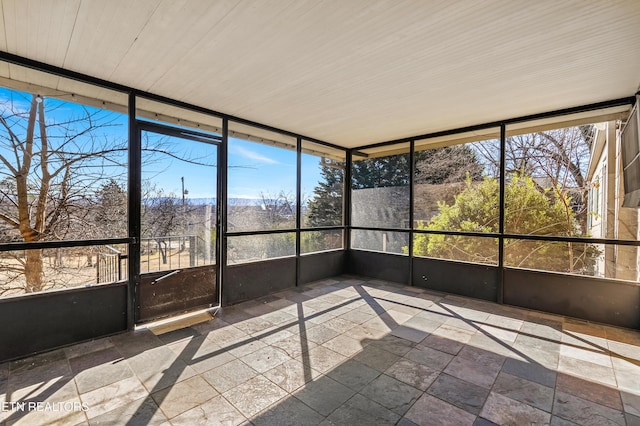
(555, 159)
(161, 217)
(110, 214)
(49, 170)
(269, 212)
(278, 210)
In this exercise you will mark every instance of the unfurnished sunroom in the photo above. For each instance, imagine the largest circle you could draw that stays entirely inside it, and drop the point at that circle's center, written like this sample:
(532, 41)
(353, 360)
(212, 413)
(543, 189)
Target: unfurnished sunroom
(164, 157)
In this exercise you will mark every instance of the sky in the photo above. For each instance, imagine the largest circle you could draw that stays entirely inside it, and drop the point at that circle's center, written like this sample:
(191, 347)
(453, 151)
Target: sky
(254, 168)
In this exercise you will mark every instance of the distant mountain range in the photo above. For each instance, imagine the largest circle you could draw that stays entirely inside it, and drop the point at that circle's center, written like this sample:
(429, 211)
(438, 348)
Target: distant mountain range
(230, 201)
(203, 201)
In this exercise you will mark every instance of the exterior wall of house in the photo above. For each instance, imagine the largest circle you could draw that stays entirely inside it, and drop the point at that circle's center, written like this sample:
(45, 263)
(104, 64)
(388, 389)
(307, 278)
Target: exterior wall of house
(627, 223)
(606, 216)
(596, 216)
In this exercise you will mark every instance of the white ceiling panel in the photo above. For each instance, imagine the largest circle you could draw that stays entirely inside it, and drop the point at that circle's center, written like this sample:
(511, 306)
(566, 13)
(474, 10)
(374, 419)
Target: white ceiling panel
(103, 33)
(351, 72)
(37, 78)
(160, 45)
(39, 29)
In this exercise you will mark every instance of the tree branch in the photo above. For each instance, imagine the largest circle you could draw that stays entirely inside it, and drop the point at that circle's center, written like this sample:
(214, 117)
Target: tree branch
(10, 221)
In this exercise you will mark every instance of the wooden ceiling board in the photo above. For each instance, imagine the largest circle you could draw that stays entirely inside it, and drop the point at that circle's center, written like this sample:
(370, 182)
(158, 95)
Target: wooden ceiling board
(39, 29)
(103, 34)
(100, 94)
(3, 38)
(230, 52)
(352, 73)
(396, 96)
(29, 75)
(157, 111)
(161, 48)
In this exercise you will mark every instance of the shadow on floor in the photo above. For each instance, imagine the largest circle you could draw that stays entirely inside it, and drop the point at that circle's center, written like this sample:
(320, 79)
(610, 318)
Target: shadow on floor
(344, 351)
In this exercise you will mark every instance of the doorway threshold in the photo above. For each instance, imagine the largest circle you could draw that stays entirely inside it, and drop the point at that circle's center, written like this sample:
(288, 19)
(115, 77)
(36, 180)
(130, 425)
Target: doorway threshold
(177, 322)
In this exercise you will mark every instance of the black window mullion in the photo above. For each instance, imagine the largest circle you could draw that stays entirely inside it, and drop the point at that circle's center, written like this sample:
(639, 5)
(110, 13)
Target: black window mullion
(134, 215)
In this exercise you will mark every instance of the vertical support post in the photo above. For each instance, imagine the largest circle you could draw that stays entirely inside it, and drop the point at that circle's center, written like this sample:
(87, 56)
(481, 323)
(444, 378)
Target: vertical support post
(503, 148)
(610, 217)
(346, 219)
(298, 205)
(221, 225)
(134, 217)
(412, 146)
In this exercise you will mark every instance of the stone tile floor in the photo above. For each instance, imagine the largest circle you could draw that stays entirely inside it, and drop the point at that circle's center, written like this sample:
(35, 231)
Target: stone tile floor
(343, 351)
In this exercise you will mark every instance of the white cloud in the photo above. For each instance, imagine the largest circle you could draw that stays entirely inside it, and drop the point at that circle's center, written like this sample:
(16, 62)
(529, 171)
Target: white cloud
(247, 153)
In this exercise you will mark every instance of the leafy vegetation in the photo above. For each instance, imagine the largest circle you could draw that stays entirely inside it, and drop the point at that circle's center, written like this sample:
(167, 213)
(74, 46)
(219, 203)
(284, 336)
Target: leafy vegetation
(529, 211)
